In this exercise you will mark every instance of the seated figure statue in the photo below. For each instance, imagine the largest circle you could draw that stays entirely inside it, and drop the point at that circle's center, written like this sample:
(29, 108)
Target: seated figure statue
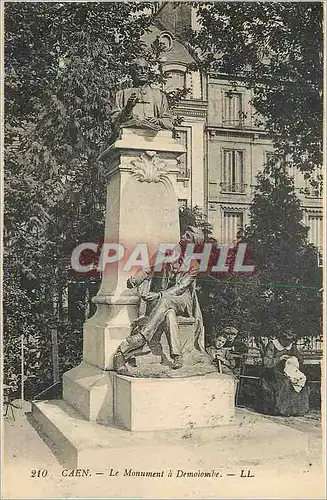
(141, 106)
(175, 296)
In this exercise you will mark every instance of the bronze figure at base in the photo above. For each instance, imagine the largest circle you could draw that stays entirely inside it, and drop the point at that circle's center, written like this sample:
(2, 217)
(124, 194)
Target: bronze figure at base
(170, 300)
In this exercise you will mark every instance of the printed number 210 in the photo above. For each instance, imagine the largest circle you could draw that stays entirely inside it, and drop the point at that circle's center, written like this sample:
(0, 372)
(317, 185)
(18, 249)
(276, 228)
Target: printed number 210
(39, 473)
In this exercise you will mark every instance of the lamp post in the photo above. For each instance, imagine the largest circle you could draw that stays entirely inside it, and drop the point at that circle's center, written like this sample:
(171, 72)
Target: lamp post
(22, 375)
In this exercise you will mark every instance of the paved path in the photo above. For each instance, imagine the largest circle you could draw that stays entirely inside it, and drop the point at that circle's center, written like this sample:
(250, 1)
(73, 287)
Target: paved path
(287, 466)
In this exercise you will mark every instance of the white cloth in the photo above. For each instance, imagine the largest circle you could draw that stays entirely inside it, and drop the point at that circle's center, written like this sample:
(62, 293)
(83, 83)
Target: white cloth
(292, 372)
(281, 347)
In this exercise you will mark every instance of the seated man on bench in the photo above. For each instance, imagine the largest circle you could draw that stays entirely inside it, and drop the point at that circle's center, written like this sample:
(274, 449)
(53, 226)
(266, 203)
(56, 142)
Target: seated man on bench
(176, 297)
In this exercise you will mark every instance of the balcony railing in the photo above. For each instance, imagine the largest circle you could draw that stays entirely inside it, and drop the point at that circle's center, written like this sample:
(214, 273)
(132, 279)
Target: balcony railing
(313, 191)
(238, 123)
(233, 187)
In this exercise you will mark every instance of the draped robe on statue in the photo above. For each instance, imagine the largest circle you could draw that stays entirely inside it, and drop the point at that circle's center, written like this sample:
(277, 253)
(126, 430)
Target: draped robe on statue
(160, 318)
(152, 103)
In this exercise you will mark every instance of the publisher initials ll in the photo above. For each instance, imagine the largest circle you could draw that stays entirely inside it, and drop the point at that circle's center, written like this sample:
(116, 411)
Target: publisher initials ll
(246, 473)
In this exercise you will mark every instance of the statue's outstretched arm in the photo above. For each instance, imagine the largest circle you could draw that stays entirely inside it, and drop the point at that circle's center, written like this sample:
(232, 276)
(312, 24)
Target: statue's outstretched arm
(122, 111)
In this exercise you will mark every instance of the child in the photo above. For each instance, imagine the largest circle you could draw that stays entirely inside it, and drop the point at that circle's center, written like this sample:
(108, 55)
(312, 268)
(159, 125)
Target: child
(220, 354)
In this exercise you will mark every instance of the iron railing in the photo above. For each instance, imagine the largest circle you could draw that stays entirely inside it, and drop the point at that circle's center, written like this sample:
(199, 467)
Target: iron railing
(233, 187)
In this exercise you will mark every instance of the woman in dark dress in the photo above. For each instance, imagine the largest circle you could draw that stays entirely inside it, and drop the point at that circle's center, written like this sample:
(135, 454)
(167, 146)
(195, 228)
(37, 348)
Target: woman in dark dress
(279, 397)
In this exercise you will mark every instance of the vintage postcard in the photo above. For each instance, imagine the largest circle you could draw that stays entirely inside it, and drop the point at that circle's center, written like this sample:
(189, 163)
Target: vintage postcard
(163, 250)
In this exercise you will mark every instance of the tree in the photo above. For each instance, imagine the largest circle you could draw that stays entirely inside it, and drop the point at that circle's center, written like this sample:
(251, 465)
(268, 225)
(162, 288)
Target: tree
(63, 63)
(283, 291)
(286, 267)
(195, 217)
(275, 49)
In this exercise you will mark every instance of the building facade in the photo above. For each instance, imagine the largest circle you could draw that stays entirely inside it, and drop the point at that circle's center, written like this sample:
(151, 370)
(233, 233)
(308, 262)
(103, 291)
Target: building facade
(226, 148)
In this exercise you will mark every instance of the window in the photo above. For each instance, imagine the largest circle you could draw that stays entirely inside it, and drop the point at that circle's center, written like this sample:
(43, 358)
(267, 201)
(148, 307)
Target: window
(166, 40)
(183, 160)
(274, 162)
(176, 80)
(233, 172)
(233, 109)
(315, 234)
(232, 223)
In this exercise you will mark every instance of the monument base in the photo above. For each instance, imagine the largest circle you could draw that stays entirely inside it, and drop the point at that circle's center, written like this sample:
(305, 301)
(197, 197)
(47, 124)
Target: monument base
(142, 404)
(149, 403)
(77, 443)
(121, 402)
(90, 390)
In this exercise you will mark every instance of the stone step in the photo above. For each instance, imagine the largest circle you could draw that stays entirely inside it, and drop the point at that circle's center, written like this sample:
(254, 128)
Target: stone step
(77, 442)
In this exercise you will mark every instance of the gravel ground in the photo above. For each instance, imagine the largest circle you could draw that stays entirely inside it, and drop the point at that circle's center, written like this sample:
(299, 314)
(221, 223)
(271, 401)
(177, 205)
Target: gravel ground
(299, 476)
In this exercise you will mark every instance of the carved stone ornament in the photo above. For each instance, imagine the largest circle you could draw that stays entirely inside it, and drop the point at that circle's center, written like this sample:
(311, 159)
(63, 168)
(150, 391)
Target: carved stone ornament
(149, 168)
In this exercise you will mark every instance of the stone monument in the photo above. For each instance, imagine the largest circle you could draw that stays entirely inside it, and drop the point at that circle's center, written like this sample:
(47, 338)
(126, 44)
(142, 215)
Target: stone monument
(112, 386)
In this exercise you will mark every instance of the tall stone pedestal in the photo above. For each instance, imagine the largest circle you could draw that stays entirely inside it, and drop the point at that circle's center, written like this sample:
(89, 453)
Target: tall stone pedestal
(141, 214)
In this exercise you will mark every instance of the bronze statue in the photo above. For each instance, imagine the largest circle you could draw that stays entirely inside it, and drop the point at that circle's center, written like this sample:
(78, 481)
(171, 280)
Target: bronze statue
(168, 297)
(141, 106)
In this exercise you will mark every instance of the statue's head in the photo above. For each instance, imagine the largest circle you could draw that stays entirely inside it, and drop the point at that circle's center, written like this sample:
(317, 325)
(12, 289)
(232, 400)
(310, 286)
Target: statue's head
(140, 71)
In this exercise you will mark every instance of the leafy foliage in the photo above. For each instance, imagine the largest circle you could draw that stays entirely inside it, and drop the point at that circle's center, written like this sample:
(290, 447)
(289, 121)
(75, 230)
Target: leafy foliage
(286, 264)
(195, 217)
(63, 63)
(283, 292)
(276, 49)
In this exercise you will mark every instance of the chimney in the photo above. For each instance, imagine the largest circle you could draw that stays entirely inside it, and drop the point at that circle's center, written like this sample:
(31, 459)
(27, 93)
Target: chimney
(175, 17)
